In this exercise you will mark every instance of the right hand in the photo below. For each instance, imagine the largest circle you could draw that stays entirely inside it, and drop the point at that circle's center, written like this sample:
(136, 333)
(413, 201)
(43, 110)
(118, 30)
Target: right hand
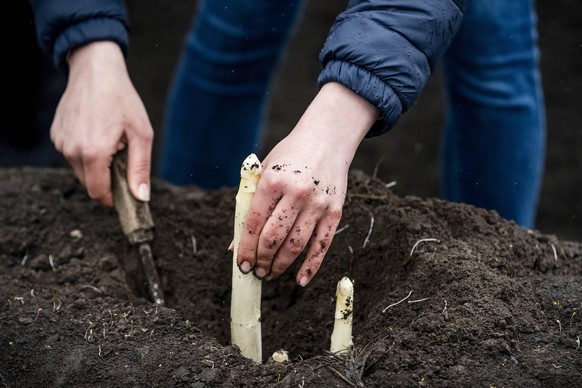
(300, 194)
(99, 114)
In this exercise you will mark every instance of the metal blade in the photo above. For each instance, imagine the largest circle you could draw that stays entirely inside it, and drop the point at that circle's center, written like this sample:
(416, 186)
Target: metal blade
(153, 280)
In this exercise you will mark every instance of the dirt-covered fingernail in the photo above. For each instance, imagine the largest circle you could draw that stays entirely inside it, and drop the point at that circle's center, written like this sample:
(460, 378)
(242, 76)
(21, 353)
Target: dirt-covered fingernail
(260, 272)
(245, 266)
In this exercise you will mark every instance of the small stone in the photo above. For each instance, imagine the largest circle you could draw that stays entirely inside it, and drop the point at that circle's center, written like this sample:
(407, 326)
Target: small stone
(76, 234)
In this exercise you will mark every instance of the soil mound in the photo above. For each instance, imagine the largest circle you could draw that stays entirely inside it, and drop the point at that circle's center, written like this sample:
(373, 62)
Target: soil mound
(445, 295)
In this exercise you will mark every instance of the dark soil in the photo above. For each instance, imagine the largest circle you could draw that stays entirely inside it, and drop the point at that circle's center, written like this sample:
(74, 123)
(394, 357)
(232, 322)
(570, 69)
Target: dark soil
(503, 305)
(490, 303)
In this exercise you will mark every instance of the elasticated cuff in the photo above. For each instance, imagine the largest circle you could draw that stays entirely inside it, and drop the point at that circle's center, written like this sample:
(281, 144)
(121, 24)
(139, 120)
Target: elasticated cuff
(368, 86)
(90, 30)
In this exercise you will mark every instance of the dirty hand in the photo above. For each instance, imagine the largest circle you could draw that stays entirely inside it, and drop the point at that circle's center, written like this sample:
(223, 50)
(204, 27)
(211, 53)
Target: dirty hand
(300, 194)
(99, 114)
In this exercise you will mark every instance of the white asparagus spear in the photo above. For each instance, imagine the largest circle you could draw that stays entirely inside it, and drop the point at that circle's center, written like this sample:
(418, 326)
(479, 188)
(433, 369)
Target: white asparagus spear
(245, 307)
(341, 337)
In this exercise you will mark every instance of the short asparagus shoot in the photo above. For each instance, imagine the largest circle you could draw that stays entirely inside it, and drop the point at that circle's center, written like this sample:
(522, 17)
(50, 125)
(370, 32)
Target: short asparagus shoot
(280, 356)
(245, 307)
(341, 337)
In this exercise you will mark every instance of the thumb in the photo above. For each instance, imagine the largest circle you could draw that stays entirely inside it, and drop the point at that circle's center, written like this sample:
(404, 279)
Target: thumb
(138, 169)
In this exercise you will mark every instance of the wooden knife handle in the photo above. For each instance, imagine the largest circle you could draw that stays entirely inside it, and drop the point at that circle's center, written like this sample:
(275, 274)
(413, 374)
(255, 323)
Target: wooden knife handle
(135, 217)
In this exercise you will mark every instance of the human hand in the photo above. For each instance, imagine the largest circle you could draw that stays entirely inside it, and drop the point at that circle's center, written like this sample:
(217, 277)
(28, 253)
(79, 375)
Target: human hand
(99, 114)
(300, 195)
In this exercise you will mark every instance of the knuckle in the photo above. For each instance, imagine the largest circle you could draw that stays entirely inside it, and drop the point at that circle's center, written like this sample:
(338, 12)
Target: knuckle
(276, 183)
(302, 192)
(147, 133)
(92, 154)
(319, 250)
(271, 183)
(295, 246)
(272, 237)
(264, 261)
(334, 214)
(320, 203)
(141, 168)
(313, 264)
(70, 151)
(252, 225)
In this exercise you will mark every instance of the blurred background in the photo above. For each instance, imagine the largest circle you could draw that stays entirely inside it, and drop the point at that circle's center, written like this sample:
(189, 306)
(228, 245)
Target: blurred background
(408, 155)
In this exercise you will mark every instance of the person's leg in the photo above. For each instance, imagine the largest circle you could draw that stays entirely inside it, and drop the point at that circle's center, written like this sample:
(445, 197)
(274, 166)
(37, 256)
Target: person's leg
(219, 96)
(494, 138)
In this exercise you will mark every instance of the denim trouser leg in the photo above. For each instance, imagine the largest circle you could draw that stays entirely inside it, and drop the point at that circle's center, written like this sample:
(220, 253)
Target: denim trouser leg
(218, 98)
(494, 138)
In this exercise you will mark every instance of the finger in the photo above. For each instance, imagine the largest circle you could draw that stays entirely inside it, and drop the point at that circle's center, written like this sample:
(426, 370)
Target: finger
(262, 206)
(318, 247)
(79, 172)
(295, 242)
(76, 163)
(97, 177)
(274, 233)
(139, 156)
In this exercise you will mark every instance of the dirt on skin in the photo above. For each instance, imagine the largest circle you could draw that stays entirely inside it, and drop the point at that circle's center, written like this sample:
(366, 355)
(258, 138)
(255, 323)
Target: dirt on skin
(445, 295)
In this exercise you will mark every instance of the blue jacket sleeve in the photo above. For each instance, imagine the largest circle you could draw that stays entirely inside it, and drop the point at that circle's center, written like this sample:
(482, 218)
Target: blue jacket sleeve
(63, 25)
(386, 50)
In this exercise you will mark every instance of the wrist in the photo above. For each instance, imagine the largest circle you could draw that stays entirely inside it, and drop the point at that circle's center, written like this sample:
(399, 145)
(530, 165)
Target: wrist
(99, 54)
(338, 117)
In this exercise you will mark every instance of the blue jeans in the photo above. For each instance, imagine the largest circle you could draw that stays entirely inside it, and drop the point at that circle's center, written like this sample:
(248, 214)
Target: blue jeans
(219, 96)
(494, 138)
